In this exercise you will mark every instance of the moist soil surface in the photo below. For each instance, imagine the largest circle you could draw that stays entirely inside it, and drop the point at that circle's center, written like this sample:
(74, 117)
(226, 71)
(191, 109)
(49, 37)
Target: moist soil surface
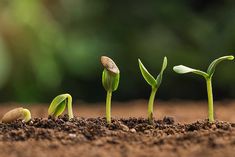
(124, 137)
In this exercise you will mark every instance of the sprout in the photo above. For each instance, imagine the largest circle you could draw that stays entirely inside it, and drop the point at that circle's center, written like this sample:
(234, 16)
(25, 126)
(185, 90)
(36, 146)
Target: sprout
(181, 69)
(110, 81)
(17, 113)
(58, 105)
(154, 83)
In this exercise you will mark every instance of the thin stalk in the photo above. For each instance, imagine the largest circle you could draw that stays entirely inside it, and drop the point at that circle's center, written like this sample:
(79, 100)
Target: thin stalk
(210, 100)
(150, 104)
(70, 109)
(108, 106)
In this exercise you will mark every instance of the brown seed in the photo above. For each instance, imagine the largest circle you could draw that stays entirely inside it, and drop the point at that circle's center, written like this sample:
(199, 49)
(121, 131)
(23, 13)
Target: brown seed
(109, 64)
(13, 115)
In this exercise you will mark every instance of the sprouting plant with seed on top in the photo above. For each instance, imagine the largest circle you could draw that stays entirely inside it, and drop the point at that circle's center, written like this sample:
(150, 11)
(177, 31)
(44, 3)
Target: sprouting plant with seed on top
(154, 83)
(181, 69)
(59, 104)
(17, 113)
(110, 81)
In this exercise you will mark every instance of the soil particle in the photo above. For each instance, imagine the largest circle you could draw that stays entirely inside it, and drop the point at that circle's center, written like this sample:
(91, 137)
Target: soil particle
(132, 130)
(233, 125)
(168, 120)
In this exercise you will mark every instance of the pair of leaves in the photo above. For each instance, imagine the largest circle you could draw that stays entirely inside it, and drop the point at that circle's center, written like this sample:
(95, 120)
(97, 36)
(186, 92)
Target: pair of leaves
(110, 80)
(181, 69)
(59, 104)
(154, 83)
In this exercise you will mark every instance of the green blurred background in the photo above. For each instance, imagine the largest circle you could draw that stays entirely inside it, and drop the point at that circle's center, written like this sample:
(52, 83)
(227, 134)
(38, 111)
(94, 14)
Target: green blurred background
(48, 47)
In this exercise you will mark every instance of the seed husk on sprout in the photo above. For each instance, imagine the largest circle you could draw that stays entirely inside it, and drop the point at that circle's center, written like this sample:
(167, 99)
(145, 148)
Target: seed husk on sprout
(110, 81)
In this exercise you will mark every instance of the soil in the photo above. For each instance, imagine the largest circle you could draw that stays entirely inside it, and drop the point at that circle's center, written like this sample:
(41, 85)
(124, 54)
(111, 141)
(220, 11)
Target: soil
(125, 137)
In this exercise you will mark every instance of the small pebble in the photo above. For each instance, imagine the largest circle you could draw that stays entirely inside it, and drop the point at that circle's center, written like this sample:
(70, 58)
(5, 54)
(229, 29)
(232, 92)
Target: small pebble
(31, 123)
(72, 135)
(213, 126)
(168, 120)
(133, 130)
(124, 127)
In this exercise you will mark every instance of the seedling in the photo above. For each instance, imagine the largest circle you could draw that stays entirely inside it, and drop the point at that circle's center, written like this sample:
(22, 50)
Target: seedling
(154, 83)
(181, 69)
(59, 104)
(17, 113)
(110, 81)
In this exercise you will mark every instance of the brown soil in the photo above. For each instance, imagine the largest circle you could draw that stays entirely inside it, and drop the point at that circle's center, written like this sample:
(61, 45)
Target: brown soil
(125, 137)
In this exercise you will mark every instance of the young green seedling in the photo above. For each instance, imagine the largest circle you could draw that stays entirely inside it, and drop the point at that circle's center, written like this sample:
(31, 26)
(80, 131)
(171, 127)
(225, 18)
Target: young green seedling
(154, 83)
(181, 69)
(17, 113)
(59, 104)
(110, 81)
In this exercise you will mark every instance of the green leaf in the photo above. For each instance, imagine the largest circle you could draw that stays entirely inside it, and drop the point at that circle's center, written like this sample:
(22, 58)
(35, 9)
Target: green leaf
(181, 69)
(26, 115)
(110, 80)
(211, 68)
(147, 76)
(116, 82)
(110, 75)
(60, 108)
(58, 105)
(159, 77)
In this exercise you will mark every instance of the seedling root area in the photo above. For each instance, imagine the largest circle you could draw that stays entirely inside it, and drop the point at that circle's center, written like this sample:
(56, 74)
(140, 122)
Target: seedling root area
(179, 129)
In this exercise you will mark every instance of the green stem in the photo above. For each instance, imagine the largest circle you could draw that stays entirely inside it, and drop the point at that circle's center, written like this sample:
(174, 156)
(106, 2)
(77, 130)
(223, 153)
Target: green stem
(210, 100)
(150, 104)
(108, 106)
(70, 109)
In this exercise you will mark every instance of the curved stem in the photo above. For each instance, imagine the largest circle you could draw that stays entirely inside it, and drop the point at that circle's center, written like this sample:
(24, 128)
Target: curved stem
(70, 108)
(108, 106)
(150, 104)
(210, 100)
(26, 115)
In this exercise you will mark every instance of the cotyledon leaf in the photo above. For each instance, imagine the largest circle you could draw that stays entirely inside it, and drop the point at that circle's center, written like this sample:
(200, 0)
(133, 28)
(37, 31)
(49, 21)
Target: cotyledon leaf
(58, 105)
(110, 81)
(160, 75)
(110, 75)
(60, 108)
(212, 66)
(147, 76)
(181, 69)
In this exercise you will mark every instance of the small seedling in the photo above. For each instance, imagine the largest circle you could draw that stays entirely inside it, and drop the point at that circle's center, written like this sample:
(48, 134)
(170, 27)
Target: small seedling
(154, 83)
(59, 104)
(110, 81)
(17, 113)
(181, 69)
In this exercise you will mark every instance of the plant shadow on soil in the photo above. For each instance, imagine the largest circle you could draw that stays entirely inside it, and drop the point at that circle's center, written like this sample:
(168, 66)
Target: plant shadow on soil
(123, 136)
